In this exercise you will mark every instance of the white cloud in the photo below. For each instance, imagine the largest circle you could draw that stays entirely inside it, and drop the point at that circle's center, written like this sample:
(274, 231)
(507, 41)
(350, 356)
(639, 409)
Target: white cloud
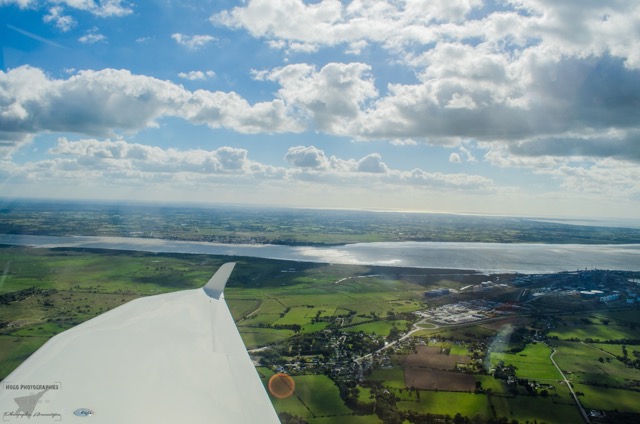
(230, 110)
(329, 23)
(92, 36)
(468, 156)
(403, 142)
(307, 157)
(197, 75)
(100, 103)
(63, 22)
(192, 42)
(372, 164)
(608, 177)
(332, 97)
(101, 8)
(534, 68)
(113, 163)
(22, 4)
(454, 158)
(119, 155)
(572, 28)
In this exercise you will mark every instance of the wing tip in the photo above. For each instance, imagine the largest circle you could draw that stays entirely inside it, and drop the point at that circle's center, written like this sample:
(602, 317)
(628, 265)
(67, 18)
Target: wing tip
(217, 283)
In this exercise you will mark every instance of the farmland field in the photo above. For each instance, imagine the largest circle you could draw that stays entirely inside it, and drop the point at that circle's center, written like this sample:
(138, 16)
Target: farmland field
(275, 302)
(533, 362)
(583, 362)
(435, 379)
(433, 357)
(525, 408)
(448, 403)
(602, 398)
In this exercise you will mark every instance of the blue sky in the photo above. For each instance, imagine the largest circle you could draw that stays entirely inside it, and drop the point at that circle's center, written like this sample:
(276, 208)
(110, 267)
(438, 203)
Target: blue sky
(517, 107)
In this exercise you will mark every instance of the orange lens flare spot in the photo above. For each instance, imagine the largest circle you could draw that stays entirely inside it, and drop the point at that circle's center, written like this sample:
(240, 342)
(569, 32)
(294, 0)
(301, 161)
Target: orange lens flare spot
(281, 385)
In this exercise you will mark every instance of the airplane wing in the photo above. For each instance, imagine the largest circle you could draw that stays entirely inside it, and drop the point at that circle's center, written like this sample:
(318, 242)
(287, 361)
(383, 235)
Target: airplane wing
(170, 358)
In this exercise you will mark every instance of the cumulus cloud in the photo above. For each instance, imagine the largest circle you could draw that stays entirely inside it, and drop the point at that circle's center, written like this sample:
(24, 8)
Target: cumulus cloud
(197, 75)
(329, 23)
(92, 37)
(63, 22)
(307, 157)
(454, 158)
(331, 98)
(312, 164)
(22, 4)
(561, 28)
(101, 8)
(527, 72)
(122, 155)
(100, 103)
(58, 10)
(403, 142)
(372, 164)
(117, 162)
(192, 42)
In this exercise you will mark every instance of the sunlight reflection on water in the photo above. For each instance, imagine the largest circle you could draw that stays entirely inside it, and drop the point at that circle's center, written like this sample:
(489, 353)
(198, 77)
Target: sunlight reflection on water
(488, 257)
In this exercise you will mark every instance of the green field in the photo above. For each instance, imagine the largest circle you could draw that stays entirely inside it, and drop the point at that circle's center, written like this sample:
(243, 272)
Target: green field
(258, 337)
(448, 403)
(353, 419)
(603, 398)
(583, 363)
(14, 350)
(315, 396)
(392, 377)
(532, 363)
(526, 408)
(272, 300)
(597, 333)
(381, 328)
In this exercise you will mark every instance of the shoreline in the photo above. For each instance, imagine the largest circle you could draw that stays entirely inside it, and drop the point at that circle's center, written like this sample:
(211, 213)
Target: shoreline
(492, 258)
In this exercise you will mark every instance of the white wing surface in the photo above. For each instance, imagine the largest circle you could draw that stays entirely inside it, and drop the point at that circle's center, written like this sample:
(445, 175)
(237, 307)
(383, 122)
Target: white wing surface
(171, 358)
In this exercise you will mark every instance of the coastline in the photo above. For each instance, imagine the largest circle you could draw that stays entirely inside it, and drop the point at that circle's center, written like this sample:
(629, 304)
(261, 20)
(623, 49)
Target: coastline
(494, 258)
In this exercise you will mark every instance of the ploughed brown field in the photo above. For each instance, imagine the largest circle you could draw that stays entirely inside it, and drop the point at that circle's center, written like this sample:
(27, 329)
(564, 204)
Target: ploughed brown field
(430, 369)
(432, 357)
(426, 379)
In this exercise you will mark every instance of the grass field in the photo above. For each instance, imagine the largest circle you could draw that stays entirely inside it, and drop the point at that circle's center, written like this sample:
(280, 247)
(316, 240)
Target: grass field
(320, 395)
(603, 398)
(392, 377)
(14, 350)
(258, 337)
(596, 333)
(448, 403)
(316, 399)
(582, 361)
(381, 328)
(260, 295)
(526, 408)
(532, 362)
(353, 419)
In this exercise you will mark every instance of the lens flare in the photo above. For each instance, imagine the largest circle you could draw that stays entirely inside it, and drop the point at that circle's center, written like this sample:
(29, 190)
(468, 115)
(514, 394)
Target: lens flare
(281, 385)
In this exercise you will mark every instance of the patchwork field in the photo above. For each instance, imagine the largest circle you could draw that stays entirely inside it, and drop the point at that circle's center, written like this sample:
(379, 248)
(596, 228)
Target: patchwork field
(583, 364)
(532, 363)
(526, 408)
(448, 403)
(602, 398)
(434, 358)
(269, 299)
(427, 379)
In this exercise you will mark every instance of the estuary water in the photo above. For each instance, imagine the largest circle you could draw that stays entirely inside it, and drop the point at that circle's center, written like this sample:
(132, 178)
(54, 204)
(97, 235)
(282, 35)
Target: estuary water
(485, 257)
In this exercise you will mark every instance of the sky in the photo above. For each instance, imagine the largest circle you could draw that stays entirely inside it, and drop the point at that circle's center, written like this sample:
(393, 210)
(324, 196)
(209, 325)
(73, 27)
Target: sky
(506, 107)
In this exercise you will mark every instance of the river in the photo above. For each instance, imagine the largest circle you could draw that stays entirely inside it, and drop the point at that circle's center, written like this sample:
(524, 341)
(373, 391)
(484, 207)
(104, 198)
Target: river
(485, 257)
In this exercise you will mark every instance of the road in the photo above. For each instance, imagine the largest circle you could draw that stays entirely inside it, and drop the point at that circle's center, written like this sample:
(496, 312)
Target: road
(585, 417)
